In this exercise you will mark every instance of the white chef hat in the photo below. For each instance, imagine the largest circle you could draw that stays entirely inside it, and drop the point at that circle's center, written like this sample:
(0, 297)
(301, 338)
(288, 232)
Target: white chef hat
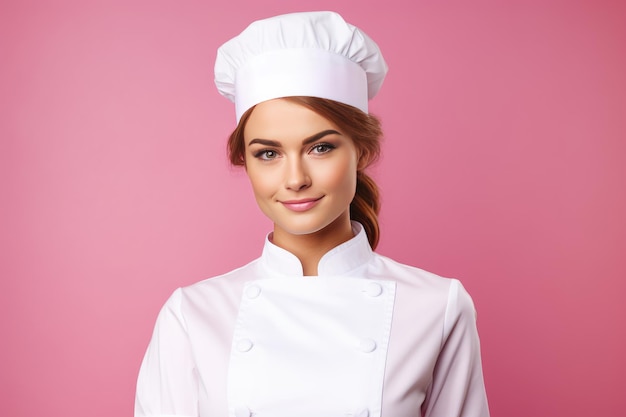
(313, 54)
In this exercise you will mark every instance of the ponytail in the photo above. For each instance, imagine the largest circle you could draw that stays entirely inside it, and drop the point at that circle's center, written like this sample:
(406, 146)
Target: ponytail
(365, 207)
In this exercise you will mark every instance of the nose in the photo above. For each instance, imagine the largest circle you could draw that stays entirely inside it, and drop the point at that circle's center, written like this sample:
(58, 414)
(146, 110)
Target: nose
(297, 177)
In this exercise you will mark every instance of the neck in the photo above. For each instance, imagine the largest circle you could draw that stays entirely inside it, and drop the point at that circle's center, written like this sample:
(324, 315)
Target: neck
(309, 248)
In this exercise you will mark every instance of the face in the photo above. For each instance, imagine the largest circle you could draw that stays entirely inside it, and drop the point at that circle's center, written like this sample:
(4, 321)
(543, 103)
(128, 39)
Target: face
(301, 166)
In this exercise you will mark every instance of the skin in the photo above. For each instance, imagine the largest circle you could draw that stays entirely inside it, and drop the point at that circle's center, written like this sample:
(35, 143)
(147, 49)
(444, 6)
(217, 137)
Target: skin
(302, 169)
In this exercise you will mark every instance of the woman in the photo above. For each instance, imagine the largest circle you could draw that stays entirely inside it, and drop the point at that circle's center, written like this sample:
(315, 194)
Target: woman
(319, 325)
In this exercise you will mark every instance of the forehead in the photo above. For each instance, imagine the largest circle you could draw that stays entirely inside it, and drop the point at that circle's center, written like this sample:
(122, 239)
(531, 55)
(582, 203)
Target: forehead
(281, 119)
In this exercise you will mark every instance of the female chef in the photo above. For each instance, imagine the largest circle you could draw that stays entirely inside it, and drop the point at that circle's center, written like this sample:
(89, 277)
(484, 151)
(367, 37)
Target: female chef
(319, 325)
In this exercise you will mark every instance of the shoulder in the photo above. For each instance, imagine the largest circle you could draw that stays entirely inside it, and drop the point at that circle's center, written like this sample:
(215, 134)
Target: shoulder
(228, 279)
(424, 291)
(410, 276)
(214, 291)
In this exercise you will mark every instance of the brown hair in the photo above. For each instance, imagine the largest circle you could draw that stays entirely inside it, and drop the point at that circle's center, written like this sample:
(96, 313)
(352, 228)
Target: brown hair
(366, 133)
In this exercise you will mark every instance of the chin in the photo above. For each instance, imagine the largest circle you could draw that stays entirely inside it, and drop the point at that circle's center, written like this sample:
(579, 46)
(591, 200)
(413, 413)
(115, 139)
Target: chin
(310, 226)
(303, 229)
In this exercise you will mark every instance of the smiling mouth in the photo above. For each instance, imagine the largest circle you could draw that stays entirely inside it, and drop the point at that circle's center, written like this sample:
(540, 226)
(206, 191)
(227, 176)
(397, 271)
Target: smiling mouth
(301, 205)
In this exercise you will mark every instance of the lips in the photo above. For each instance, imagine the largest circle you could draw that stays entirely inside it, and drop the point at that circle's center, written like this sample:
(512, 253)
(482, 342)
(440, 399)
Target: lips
(301, 205)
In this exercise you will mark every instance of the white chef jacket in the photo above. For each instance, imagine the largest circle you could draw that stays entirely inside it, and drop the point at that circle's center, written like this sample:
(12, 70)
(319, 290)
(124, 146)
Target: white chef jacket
(368, 337)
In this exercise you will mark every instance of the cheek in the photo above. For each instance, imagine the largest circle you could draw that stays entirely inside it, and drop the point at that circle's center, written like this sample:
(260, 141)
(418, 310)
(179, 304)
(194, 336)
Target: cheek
(265, 182)
(342, 177)
(260, 183)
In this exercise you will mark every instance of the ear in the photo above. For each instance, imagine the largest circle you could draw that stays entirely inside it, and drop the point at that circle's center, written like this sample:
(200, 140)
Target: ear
(364, 160)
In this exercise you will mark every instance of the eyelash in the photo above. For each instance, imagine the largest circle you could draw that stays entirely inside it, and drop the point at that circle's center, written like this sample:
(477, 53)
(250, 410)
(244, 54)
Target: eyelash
(328, 147)
(263, 153)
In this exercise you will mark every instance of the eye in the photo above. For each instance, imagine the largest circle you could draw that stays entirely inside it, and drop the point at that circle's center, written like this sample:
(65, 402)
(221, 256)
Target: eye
(266, 154)
(322, 148)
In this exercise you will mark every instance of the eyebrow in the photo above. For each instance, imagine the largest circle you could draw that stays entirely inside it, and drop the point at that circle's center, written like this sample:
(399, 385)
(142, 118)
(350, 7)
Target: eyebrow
(310, 139)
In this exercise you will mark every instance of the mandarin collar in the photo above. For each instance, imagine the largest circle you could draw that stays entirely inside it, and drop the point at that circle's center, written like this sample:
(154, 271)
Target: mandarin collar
(340, 260)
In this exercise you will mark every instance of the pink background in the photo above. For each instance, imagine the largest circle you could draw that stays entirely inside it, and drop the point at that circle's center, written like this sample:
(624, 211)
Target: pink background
(503, 166)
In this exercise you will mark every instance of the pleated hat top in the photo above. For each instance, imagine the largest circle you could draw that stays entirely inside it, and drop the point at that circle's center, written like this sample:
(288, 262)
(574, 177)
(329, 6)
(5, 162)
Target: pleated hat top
(315, 54)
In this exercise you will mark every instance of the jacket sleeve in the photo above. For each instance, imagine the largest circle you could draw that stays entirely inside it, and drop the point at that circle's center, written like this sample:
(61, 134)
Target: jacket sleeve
(167, 384)
(457, 388)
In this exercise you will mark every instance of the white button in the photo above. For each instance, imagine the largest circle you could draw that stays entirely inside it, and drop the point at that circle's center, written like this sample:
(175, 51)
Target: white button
(253, 291)
(242, 411)
(244, 345)
(364, 412)
(367, 345)
(373, 289)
